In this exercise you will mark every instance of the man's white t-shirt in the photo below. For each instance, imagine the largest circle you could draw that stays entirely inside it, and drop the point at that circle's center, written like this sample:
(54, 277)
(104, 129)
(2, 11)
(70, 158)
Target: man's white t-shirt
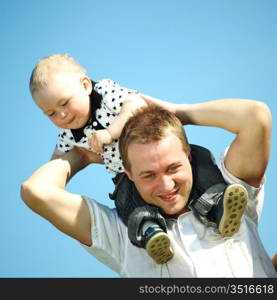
(198, 250)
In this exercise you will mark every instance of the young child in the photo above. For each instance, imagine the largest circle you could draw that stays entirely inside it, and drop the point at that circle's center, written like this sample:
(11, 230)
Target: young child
(92, 115)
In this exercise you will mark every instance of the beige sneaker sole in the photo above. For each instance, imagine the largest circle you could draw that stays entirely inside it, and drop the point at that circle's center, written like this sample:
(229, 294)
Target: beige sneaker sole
(158, 247)
(234, 203)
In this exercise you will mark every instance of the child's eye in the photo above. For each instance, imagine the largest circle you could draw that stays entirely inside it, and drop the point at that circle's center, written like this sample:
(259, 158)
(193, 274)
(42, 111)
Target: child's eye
(51, 114)
(64, 104)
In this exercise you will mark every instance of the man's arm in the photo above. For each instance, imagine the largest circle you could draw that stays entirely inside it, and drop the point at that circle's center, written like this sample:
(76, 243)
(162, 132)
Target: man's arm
(274, 261)
(44, 193)
(249, 120)
(57, 153)
(172, 107)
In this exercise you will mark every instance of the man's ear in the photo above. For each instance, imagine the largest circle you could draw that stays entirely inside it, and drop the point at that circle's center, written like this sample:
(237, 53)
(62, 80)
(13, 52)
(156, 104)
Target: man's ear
(129, 174)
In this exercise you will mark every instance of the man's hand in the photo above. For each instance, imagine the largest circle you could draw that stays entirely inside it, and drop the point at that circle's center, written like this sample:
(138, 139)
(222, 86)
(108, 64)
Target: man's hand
(88, 157)
(98, 139)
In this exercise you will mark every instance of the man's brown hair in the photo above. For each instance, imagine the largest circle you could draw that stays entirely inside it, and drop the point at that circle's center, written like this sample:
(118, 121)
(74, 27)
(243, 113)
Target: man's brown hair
(150, 124)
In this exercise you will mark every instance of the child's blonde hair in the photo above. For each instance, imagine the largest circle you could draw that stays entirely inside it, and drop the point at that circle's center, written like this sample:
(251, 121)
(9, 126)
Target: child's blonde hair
(57, 63)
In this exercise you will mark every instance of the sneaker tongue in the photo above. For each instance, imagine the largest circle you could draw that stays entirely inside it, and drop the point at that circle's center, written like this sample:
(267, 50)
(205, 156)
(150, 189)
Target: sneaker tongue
(148, 224)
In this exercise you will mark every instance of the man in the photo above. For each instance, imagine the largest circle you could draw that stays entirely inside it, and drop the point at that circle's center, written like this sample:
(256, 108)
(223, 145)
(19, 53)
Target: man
(157, 158)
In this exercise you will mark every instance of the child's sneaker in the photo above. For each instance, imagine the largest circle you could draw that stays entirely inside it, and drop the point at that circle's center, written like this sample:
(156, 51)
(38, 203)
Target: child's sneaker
(157, 244)
(229, 209)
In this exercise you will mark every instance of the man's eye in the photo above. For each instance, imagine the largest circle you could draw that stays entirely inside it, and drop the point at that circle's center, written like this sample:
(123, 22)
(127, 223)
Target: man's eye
(174, 169)
(150, 176)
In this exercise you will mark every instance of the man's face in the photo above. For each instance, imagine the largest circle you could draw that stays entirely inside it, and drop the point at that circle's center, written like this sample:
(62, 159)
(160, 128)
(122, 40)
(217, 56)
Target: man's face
(65, 100)
(162, 173)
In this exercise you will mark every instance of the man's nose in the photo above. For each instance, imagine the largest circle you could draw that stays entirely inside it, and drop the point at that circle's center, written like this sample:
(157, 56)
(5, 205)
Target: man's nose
(166, 184)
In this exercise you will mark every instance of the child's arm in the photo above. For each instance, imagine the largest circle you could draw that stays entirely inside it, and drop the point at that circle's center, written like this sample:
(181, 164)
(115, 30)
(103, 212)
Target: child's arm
(105, 136)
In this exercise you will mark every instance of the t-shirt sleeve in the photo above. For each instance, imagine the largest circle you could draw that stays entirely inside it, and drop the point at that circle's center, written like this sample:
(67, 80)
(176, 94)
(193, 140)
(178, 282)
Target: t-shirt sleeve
(107, 232)
(113, 94)
(65, 140)
(255, 195)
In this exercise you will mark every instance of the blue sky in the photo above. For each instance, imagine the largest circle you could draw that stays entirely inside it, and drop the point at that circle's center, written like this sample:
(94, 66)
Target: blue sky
(184, 51)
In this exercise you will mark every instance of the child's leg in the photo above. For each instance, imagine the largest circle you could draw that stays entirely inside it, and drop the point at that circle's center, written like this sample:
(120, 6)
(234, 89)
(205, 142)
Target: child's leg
(146, 226)
(213, 201)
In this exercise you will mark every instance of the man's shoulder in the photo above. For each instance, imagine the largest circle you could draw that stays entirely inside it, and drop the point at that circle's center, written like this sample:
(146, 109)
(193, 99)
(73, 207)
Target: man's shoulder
(98, 209)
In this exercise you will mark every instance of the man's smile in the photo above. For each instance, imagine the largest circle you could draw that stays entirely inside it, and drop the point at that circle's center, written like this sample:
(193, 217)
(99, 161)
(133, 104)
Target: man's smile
(170, 196)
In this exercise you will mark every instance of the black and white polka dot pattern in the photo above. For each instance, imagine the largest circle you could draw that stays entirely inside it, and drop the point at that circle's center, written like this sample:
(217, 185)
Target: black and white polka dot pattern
(113, 96)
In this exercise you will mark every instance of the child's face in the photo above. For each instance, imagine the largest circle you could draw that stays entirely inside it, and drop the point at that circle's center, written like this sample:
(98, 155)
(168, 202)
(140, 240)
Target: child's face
(65, 100)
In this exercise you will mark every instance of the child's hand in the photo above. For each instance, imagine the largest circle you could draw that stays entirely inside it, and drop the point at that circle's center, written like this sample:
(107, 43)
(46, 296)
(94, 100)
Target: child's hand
(98, 139)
